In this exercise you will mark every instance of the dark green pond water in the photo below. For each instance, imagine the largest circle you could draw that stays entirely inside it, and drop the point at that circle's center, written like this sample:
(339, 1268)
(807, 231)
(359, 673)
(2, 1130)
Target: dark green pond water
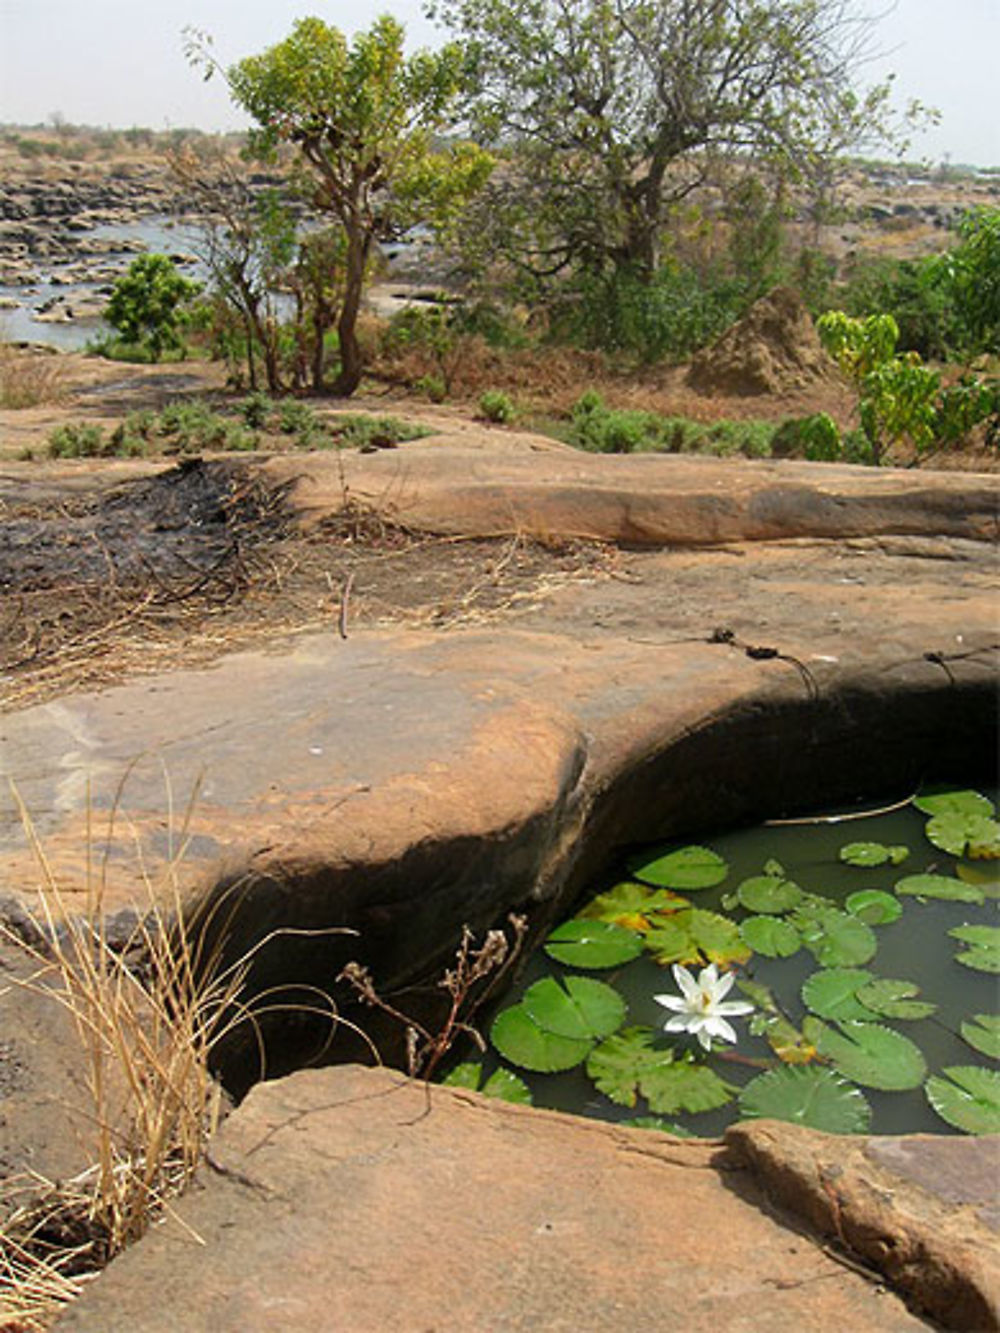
(916, 947)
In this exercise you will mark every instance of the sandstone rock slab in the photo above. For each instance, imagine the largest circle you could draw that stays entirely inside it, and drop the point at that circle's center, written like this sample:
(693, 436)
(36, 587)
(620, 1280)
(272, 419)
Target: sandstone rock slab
(355, 1201)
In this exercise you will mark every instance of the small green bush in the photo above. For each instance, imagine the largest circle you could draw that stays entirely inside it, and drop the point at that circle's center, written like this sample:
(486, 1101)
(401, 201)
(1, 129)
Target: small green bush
(76, 440)
(495, 405)
(432, 387)
(814, 437)
(255, 410)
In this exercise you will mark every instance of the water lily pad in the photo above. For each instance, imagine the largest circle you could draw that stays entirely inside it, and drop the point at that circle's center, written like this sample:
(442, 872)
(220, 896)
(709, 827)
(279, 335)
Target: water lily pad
(951, 800)
(684, 1086)
(686, 868)
(468, 1075)
(520, 1040)
(939, 886)
(617, 1063)
(580, 1008)
(505, 1086)
(809, 1096)
(874, 907)
(984, 956)
(657, 1122)
(768, 893)
(835, 938)
(628, 904)
(872, 854)
(961, 834)
(596, 944)
(894, 999)
(671, 943)
(984, 874)
(833, 993)
(770, 936)
(982, 1032)
(873, 1056)
(967, 1097)
(693, 935)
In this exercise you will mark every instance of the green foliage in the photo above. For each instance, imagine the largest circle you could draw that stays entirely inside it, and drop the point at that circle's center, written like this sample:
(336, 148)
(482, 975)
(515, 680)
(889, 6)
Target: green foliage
(973, 275)
(874, 907)
(502, 1084)
(872, 854)
(628, 1064)
(967, 1097)
(833, 993)
(495, 405)
(147, 304)
(982, 1033)
(806, 1095)
(983, 955)
(77, 441)
(366, 122)
(872, 1055)
(768, 893)
(579, 1008)
(597, 427)
(815, 437)
(834, 938)
(770, 936)
(687, 868)
(945, 887)
(255, 410)
(890, 998)
(596, 944)
(900, 397)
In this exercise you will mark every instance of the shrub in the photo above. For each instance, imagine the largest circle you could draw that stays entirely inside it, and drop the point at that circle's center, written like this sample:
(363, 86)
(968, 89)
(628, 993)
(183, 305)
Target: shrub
(255, 409)
(146, 305)
(495, 405)
(77, 441)
(432, 387)
(814, 437)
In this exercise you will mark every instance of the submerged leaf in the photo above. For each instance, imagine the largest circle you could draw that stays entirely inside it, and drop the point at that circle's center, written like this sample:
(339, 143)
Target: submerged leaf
(596, 944)
(984, 956)
(585, 1010)
(833, 993)
(894, 999)
(686, 868)
(982, 1032)
(874, 907)
(520, 1040)
(968, 1097)
(771, 936)
(873, 1056)
(939, 886)
(768, 893)
(951, 800)
(811, 1096)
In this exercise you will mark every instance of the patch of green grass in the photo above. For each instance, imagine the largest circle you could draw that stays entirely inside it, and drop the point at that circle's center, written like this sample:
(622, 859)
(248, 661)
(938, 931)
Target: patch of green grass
(602, 429)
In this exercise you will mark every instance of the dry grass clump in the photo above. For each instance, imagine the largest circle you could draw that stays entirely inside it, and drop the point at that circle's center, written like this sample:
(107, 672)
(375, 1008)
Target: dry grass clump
(29, 378)
(148, 1011)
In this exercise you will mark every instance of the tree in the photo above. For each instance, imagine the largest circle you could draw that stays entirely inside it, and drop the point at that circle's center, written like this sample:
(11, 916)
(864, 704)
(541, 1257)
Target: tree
(248, 240)
(147, 304)
(364, 120)
(612, 111)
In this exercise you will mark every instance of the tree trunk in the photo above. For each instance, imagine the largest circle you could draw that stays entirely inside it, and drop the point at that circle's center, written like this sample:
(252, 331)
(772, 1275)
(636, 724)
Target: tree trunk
(351, 367)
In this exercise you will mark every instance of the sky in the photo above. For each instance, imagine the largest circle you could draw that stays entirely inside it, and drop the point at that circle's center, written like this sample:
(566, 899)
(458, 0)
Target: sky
(121, 63)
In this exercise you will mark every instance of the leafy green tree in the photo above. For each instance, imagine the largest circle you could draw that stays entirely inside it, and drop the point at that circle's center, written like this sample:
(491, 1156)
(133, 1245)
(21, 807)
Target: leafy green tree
(147, 304)
(364, 120)
(973, 272)
(612, 111)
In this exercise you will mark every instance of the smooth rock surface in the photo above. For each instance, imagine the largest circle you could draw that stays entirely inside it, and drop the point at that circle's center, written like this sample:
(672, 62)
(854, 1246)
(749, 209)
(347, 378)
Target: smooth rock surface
(355, 1201)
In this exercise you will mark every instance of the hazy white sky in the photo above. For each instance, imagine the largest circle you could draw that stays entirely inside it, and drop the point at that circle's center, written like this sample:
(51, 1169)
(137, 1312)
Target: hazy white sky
(120, 62)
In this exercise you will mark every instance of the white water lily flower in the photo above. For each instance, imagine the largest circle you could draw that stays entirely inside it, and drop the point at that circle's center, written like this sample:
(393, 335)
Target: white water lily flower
(701, 1007)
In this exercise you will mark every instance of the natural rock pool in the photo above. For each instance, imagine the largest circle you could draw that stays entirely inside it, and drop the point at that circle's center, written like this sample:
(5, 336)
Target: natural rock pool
(867, 949)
